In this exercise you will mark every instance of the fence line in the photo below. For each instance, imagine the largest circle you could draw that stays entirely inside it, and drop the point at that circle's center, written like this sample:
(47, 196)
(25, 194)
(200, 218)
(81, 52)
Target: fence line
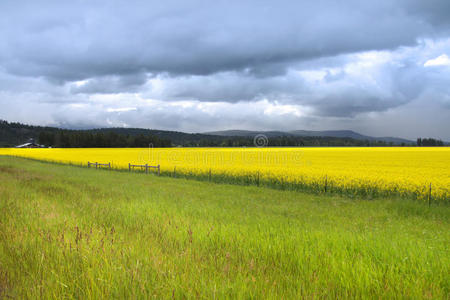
(97, 165)
(327, 186)
(146, 167)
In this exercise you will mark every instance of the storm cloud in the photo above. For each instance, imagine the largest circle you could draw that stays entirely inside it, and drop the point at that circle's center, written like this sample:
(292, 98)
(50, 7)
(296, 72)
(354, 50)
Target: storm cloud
(202, 65)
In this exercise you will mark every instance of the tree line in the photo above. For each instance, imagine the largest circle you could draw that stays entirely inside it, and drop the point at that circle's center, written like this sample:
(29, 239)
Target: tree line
(287, 141)
(86, 139)
(12, 134)
(99, 139)
(429, 142)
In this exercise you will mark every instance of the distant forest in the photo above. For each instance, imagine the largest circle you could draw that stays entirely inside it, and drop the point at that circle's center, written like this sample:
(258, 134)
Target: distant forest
(12, 134)
(429, 142)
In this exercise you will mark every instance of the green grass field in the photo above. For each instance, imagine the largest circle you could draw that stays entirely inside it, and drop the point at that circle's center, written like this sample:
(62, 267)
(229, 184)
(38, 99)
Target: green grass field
(70, 232)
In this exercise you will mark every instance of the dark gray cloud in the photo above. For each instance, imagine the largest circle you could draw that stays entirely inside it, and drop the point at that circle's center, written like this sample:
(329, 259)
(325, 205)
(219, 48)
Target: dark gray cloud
(227, 87)
(111, 84)
(81, 39)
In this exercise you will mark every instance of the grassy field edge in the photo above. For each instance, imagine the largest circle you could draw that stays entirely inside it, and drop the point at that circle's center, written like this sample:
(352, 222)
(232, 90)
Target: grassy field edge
(324, 187)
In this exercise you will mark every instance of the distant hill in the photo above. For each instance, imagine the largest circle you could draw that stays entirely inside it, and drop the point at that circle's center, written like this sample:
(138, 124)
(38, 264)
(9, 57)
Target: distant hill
(176, 137)
(309, 133)
(249, 133)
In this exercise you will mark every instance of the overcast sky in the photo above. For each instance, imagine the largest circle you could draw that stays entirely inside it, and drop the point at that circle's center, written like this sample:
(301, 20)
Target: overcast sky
(379, 67)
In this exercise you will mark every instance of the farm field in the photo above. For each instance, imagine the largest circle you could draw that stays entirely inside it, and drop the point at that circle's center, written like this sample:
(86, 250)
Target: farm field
(369, 172)
(70, 232)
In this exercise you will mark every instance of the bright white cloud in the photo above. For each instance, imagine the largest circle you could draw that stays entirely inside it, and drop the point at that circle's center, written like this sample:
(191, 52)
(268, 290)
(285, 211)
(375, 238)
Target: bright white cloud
(121, 109)
(442, 60)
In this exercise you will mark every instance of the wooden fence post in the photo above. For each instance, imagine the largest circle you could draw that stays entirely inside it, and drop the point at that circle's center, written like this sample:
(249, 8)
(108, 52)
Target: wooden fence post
(129, 167)
(429, 196)
(146, 168)
(159, 170)
(96, 165)
(209, 174)
(109, 165)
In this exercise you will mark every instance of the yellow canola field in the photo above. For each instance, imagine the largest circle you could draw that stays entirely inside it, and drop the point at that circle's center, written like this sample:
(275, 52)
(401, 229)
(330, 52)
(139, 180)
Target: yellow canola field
(390, 170)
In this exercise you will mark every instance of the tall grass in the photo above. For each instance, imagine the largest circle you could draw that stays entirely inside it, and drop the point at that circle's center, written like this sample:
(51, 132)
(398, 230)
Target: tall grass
(69, 232)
